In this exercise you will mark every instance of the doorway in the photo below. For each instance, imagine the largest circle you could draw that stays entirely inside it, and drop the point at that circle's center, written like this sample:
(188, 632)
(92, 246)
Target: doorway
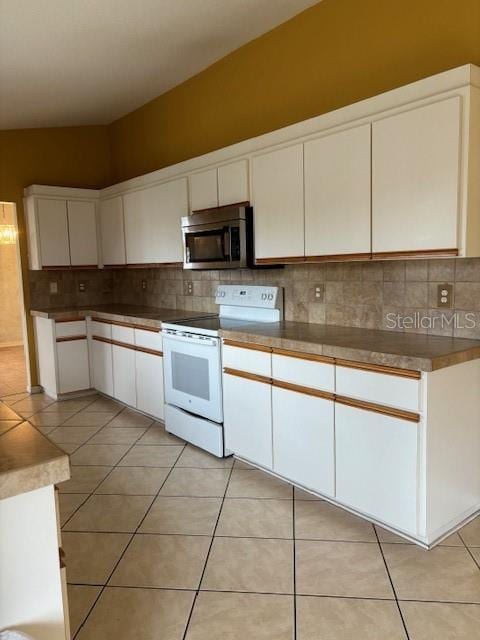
(13, 364)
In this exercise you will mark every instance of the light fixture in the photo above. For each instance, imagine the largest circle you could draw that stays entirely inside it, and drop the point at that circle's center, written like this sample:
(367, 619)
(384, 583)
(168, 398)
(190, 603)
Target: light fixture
(8, 233)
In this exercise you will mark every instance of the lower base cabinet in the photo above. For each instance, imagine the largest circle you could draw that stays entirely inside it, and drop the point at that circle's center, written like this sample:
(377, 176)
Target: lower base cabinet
(124, 384)
(247, 406)
(102, 367)
(304, 439)
(73, 365)
(376, 465)
(149, 375)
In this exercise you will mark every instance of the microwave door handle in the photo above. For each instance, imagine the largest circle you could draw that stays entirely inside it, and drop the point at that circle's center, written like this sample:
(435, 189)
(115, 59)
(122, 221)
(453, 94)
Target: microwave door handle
(227, 242)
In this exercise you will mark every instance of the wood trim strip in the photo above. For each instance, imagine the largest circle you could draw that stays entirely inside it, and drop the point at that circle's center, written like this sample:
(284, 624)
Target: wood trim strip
(338, 257)
(303, 356)
(247, 345)
(152, 352)
(70, 338)
(102, 339)
(410, 416)
(280, 260)
(247, 376)
(128, 325)
(125, 345)
(308, 391)
(151, 265)
(379, 368)
(74, 319)
(418, 253)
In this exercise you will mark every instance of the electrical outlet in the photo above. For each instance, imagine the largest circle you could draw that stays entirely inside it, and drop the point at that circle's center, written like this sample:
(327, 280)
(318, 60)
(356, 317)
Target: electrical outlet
(318, 292)
(144, 285)
(445, 295)
(54, 286)
(82, 287)
(188, 288)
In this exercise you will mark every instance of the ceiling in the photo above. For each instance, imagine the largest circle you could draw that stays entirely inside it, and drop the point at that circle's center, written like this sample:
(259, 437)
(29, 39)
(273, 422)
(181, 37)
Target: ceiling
(81, 62)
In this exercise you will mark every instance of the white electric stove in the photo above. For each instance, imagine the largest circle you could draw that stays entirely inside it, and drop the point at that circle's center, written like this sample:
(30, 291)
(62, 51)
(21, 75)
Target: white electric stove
(193, 366)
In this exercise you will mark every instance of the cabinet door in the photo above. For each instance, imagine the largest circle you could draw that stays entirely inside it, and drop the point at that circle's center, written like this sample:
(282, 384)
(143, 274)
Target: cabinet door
(53, 231)
(415, 164)
(152, 223)
(337, 193)
(149, 370)
(124, 388)
(247, 410)
(278, 203)
(102, 367)
(73, 365)
(376, 465)
(112, 231)
(82, 231)
(203, 190)
(303, 439)
(233, 183)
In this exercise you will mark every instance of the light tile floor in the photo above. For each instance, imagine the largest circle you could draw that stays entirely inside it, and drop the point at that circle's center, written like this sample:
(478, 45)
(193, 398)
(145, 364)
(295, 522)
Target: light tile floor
(164, 541)
(13, 373)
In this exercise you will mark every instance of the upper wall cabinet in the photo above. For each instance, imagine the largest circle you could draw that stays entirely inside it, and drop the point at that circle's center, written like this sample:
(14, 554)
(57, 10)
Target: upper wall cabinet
(416, 172)
(152, 223)
(277, 185)
(62, 232)
(112, 231)
(337, 194)
(224, 185)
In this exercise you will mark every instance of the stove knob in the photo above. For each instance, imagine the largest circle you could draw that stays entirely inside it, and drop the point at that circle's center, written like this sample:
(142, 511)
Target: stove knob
(264, 296)
(270, 296)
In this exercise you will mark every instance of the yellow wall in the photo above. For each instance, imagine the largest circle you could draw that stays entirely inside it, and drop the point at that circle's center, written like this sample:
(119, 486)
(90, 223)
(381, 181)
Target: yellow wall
(336, 53)
(75, 157)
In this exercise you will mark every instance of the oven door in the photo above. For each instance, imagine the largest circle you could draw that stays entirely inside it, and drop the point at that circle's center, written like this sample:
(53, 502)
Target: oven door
(192, 373)
(215, 246)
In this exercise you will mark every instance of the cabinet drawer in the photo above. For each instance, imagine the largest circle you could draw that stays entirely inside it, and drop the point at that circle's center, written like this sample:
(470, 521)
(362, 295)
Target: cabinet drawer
(149, 339)
(74, 328)
(123, 334)
(304, 372)
(380, 388)
(248, 359)
(101, 329)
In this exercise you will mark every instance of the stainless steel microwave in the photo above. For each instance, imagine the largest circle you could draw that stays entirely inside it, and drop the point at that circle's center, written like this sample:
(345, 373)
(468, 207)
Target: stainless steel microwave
(220, 238)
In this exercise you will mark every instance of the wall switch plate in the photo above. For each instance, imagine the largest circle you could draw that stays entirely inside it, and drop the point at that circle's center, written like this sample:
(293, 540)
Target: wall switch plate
(445, 295)
(54, 286)
(188, 288)
(144, 285)
(318, 293)
(82, 287)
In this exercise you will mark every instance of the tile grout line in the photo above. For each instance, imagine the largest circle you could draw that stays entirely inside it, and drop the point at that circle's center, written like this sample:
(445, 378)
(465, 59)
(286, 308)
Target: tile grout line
(207, 557)
(133, 534)
(391, 584)
(468, 550)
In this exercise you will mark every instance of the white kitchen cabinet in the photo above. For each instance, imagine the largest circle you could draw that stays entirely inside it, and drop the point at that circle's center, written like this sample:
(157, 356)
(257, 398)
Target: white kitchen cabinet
(277, 185)
(337, 193)
(73, 365)
(102, 366)
(112, 231)
(149, 376)
(376, 465)
(82, 233)
(203, 190)
(152, 223)
(124, 383)
(247, 407)
(304, 439)
(415, 178)
(53, 233)
(233, 183)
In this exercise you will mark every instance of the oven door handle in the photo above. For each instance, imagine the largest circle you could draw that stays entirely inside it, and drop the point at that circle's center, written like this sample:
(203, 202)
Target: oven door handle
(201, 342)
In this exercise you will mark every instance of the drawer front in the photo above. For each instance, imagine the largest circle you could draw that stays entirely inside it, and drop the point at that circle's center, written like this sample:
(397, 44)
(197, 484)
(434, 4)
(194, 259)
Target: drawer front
(251, 360)
(101, 329)
(380, 388)
(149, 339)
(306, 373)
(66, 329)
(123, 334)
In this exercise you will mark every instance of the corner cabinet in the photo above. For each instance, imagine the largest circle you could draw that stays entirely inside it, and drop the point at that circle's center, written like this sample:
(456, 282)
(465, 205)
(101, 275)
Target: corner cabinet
(62, 227)
(112, 231)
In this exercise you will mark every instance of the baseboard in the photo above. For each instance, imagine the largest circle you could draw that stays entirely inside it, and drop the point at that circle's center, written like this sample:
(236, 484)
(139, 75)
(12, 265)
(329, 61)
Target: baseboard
(36, 388)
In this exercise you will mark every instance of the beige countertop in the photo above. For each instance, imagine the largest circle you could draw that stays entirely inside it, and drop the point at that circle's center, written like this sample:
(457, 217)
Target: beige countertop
(419, 352)
(28, 460)
(148, 316)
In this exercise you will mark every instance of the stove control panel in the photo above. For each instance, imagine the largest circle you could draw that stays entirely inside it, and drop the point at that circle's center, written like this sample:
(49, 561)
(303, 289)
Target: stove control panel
(250, 302)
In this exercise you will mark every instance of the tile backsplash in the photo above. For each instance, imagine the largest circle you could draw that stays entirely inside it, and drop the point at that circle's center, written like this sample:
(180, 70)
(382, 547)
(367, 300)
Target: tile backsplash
(394, 295)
